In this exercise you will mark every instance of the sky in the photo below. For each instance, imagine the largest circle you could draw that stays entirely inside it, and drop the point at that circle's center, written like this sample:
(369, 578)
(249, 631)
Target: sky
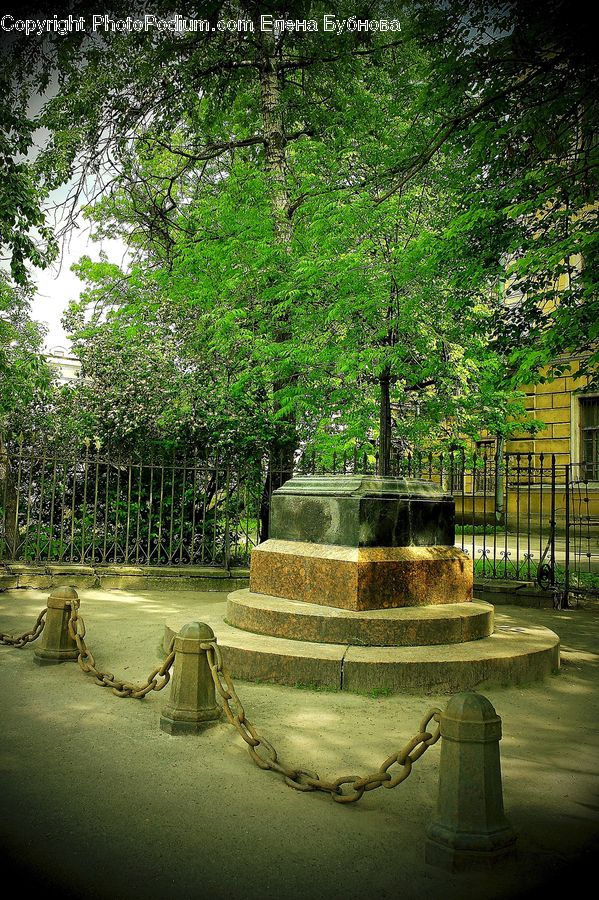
(57, 285)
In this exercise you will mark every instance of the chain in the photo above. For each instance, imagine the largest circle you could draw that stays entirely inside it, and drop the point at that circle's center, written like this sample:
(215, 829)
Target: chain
(29, 636)
(301, 779)
(105, 679)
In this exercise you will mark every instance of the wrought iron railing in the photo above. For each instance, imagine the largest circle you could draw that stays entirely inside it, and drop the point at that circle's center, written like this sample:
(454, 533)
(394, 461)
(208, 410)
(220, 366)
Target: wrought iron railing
(510, 508)
(93, 507)
(582, 559)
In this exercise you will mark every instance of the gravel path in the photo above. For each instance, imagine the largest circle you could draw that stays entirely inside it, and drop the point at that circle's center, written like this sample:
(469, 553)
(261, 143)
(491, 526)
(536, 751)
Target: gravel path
(97, 802)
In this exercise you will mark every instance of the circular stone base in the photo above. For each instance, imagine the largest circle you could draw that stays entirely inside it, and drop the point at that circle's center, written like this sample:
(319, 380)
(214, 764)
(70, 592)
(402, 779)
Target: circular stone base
(451, 623)
(509, 656)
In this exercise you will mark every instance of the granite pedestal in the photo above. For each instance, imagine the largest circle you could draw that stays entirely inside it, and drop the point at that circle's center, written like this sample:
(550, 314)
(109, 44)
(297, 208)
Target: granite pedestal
(362, 542)
(360, 587)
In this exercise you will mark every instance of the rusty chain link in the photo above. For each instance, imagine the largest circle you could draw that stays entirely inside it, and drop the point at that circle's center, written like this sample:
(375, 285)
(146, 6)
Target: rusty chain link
(105, 679)
(28, 636)
(301, 779)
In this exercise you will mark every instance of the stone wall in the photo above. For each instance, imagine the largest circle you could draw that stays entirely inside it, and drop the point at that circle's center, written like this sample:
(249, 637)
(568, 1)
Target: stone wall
(129, 578)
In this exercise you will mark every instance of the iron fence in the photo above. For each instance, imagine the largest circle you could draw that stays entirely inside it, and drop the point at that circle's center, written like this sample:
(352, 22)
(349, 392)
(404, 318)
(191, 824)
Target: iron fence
(91, 507)
(520, 516)
(582, 529)
(511, 509)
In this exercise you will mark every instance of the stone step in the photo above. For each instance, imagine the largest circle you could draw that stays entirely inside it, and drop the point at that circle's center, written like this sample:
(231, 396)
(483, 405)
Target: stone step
(509, 656)
(407, 626)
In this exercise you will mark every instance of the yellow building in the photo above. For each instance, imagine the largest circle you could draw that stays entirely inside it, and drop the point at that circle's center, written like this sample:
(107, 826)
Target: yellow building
(570, 416)
(567, 440)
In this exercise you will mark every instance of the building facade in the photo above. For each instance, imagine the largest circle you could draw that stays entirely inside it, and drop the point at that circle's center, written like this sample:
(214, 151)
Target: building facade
(66, 366)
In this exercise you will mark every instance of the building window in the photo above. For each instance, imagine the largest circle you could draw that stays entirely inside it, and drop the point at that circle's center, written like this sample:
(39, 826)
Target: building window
(484, 477)
(589, 437)
(455, 475)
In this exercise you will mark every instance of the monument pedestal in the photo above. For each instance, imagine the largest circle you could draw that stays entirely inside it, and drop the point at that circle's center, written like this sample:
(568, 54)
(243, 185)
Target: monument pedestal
(361, 578)
(362, 542)
(361, 588)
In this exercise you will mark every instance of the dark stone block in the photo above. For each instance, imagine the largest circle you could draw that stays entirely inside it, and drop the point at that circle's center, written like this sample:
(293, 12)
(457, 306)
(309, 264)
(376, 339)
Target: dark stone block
(432, 524)
(363, 511)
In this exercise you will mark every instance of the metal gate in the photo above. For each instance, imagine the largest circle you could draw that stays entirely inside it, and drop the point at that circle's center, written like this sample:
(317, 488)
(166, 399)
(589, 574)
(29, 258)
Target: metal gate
(582, 536)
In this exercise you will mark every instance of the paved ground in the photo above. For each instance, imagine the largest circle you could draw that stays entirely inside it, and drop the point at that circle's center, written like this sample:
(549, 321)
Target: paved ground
(97, 802)
(518, 551)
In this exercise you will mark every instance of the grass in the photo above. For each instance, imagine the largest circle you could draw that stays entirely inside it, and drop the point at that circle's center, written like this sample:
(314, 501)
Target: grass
(480, 529)
(313, 686)
(528, 570)
(525, 571)
(374, 694)
(587, 580)
(377, 692)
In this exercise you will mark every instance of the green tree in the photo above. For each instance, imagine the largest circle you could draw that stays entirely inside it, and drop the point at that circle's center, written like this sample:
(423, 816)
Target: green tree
(516, 85)
(221, 101)
(25, 238)
(25, 378)
(151, 381)
(265, 181)
(25, 389)
(204, 98)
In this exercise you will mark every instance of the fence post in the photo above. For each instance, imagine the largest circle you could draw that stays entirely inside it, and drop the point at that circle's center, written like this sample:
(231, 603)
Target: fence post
(470, 829)
(565, 603)
(57, 645)
(499, 479)
(192, 703)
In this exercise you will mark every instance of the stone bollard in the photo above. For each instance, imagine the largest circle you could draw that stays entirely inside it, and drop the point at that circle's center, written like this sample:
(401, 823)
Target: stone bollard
(192, 703)
(57, 645)
(470, 829)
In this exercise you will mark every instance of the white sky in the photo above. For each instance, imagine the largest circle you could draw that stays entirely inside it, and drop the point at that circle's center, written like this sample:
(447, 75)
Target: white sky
(57, 285)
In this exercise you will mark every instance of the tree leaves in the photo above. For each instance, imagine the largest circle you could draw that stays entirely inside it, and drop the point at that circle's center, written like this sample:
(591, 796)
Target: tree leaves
(308, 220)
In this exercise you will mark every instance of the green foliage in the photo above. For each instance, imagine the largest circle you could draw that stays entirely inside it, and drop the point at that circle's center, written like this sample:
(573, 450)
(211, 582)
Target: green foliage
(519, 83)
(301, 331)
(480, 529)
(323, 231)
(24, 236)
(151, 376)
(91, 507)
(25, 378)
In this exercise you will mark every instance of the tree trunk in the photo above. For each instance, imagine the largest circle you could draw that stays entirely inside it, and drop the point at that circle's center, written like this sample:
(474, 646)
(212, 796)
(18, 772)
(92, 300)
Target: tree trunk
(499, 487)
(274, 145)
(8, 505)
(284, 445)
(385, 423)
